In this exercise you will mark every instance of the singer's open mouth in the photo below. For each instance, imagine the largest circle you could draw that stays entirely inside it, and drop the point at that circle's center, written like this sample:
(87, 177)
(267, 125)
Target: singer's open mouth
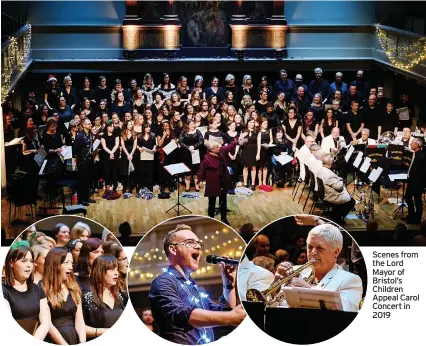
(196, 256)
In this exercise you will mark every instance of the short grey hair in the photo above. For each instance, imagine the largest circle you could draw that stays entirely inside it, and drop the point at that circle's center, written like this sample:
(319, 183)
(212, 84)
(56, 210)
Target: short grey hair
(170, 237)
(418, 141)
(327, 159)
(210, 145)
(331, 234)
(339, 74)
(365, 130)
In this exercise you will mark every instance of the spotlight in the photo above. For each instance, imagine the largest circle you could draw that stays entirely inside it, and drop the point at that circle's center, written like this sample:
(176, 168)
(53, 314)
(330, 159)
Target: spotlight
(279, 54)
(170, 54)
(240, 55)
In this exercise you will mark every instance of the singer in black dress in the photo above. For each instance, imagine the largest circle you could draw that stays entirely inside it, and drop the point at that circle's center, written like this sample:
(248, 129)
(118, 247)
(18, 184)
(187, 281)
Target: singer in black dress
(293, 128)
(103, 304)
(249, 152)
(165, 137)
(264, 137)
(190, 140)
(109, 155)
(128, 147)
(233, 157)
(146, 141)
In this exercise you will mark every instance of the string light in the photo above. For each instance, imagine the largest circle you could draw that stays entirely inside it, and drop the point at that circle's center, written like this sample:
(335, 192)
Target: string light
(403, 57)
(14, 59)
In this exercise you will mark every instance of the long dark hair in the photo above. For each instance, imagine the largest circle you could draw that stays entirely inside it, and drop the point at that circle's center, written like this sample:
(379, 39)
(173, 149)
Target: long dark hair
(100, 266)
(83, 264)
(15, 255)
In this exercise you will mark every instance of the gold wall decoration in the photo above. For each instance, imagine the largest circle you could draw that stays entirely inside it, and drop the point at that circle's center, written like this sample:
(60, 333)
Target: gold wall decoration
(239, 36)
(171, 36)
(278, 36)
(131, 34)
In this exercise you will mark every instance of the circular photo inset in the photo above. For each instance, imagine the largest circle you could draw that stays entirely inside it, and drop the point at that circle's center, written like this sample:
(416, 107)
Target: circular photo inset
(298, 269)
(64, 280)
(182, 280)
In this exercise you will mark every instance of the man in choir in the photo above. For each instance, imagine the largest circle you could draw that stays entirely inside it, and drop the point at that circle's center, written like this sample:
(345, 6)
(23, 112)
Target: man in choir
(365, 137)
(339, 85)
(185, 314)
(324, 244)
(319, 85)
(405, 102)
(301, 101)
(299, 83)
(362, 87)
(416, 182)
(372, 116)
(341, 114)
(352, 95)
(333, 143)
(354, 121)
(388, 120)
(83, 150)
(285, 85)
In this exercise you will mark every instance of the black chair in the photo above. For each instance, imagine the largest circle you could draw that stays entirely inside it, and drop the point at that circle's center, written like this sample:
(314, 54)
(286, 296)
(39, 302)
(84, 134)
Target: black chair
(305, 181)
(320, 203)
(311, 187)
(21, 194)
(298, 179)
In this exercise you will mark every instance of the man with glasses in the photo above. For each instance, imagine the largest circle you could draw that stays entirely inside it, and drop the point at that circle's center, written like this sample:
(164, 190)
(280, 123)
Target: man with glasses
(184, 313)
(83, 151)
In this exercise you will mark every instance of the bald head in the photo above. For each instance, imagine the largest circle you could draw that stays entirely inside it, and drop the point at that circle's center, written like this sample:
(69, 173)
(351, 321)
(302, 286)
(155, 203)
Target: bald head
(262, 245)
(335, 133)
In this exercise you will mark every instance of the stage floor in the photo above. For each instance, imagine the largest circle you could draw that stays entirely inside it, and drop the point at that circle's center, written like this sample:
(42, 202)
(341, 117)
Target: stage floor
(259, 209)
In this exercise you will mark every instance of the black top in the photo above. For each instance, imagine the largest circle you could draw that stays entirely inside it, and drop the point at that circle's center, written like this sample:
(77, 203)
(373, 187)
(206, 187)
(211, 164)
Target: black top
(282, 146)
(110, 143)
(389, 121)
(51, 141)
(208, 134)
(220, 93)
(83, 146)
(90, 94)
(120, 110)
(354, 120)
(292, 131)
(72, 97)
(101, 316)
(372, 120)
(228, 139)
(24, 305)
(53, 96)
(63, 319)
(103, 94)
(261, 108)
(327, 127)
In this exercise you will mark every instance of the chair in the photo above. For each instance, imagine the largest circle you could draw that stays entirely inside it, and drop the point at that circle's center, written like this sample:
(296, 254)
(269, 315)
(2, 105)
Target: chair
(305, 181)
(320, 202)
(21, 194)
(300, 173)
(312, 184)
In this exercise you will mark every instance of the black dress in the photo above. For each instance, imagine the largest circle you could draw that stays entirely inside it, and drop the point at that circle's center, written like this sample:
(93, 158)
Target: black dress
(103, 316)
(110, 166)
(124, 162)
(63, 319)
(264, 139)
(292, 131)
(145, 168)
(24, 305)
(249, 150)
(185, 141)
(53, 96)
(327, 128)
(227, 139)
(261, 108)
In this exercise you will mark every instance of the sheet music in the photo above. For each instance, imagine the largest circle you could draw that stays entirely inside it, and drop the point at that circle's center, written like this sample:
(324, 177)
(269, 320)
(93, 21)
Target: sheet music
(283, 159)
(96, 144)
(177, 168)
(195, 157)
(365, 165)
(215, 139)
(14, 141)
(403, 113)
(131, 167)
(310, 298)
(147, 154)
(358, 159)
(43, 166)
(66, 152)
(170, 147)
(40, 156)
(349, 153)
(266, 145)
(375, 174)
(400, 176)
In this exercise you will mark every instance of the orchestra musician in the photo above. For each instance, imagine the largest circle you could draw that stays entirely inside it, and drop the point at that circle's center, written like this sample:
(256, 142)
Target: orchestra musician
(416, 182)
(365, 138)
(334, 142)
(184, 314)
(324, 244)
(406, 138)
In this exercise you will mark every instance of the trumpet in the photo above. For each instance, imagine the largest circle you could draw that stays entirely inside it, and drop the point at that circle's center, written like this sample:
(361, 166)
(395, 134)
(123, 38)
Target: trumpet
(271, 295)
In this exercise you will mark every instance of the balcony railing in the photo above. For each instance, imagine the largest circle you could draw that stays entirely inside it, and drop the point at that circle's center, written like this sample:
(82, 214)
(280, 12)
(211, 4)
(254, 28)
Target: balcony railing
(16, 57)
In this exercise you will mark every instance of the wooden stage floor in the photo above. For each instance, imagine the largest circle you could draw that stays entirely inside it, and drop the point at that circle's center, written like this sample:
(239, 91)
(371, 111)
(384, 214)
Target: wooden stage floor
(259, 209)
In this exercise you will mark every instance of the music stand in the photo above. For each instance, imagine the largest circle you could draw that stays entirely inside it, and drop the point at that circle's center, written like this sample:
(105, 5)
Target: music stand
(177, 170)
(402, 178)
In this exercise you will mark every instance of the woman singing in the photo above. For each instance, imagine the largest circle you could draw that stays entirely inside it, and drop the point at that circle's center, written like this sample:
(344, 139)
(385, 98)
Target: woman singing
(166, 136)
(146, 142)
(128, 147)
(328, 123)
(292, 128)
(91, 249)
(81, 231)
(264, 137)
(62, 234)
(103, 304)
(109, 156)
(64, 297)
(249, 152)
(40, 253)
(25, 300)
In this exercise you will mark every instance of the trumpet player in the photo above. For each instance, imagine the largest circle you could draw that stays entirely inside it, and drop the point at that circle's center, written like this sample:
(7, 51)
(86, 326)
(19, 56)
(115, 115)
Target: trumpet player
(333, 143)
(324, 244)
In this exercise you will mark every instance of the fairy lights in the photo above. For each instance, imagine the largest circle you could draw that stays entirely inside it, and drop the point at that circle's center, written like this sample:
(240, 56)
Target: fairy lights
(403, 57)
(15, 58)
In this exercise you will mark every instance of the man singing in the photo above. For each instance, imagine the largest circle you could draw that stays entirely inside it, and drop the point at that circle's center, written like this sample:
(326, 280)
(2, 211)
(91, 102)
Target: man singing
(83, 150)
(183, 312)
(324, 244)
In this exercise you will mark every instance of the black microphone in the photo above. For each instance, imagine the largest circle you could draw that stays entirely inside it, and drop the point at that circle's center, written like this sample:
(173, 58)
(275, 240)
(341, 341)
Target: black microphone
(213, 259)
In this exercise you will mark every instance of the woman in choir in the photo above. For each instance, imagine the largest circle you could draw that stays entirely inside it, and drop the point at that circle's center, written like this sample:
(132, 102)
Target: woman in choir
(91, 249)
(42, 115)
(195, 100)
(190, 141)
(199, 122)
(230, 113)
(120, 107)
(128, 148)
(69, 92)
(75, 245)
(183, 89)
(263, 102)
(137, 127)
(188, 112)
(148, 88)
(40, 253)
(282, 146)
(52, 141)
(247, 87)
(62, 234)
(64, 297)
(233, 160)
(317, 107)
(52, 92)
(109, 156)
(115, 249)
(86, 107)
(157, 106)
(264, 86)
(223, 108)
(176, 124)
(229, 99)
(146, 142)
(117, 124)
(257, 119)
(138, 101)
(81, 231)
(30, 147)
(249, 152)
(264, 137)
(328, 123)
(25, 300)
(281, 106)
(204, 110)
(214, 103)
(215, 90)
(103, 304)
(166, 87)
(213, 133)
(87, 92)
(102, 92)
(176, 103)
(166, 136)
(103, 108)
(310, 125)
(292, 128)
(199, 86)
(239, 123)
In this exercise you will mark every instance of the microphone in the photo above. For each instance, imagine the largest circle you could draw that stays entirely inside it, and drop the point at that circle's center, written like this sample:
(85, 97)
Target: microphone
(213, 259)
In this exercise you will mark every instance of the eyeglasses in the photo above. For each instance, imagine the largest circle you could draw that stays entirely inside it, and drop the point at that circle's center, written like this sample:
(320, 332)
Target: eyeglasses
(190, 243)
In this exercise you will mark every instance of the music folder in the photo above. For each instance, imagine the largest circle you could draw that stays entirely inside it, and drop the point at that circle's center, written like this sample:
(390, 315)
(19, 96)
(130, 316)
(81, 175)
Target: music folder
(308, 298)
(177, 168)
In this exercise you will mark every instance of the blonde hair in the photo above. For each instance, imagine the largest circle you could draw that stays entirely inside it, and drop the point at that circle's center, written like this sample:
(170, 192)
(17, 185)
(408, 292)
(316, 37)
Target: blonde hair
(78, 230)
